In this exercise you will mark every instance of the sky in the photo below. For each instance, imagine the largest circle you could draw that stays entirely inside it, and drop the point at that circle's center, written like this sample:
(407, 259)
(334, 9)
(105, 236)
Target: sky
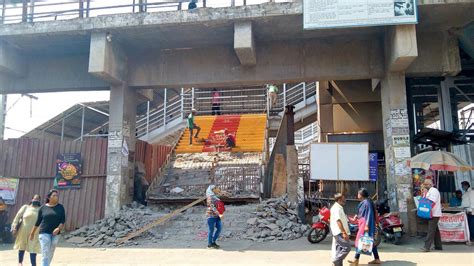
(48, 105)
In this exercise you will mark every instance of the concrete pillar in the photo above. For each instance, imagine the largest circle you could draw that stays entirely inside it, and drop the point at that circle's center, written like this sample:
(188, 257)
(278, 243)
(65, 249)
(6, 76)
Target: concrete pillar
(397, 141)
(121, 147)
(244, 43)
(325, 110)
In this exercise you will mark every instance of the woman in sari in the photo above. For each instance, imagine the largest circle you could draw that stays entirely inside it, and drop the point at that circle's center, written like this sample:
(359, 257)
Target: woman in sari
(367, 222)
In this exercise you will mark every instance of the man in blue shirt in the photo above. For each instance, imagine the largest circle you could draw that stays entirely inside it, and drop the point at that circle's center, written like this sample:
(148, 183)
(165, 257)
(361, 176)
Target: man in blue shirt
(456, 200)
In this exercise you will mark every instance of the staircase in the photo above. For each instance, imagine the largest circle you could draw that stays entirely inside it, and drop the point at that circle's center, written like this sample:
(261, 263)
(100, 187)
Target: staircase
(249, 131)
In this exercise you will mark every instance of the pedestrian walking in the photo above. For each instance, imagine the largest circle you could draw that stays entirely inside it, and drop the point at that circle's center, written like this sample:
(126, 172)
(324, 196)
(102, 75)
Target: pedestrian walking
(367, 220)
(51, 219)
(192, 126)
(433, 231)
(339, 225)
(21, 227)
(216, 102)
(213, 216)
(273, 94)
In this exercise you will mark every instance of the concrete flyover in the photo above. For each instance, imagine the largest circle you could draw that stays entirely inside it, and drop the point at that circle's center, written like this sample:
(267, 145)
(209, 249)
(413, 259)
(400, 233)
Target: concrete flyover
(218, 47)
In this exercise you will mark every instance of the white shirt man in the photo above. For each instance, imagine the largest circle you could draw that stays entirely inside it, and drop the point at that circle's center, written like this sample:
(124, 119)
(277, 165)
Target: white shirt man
(433, 230)
(468, 199)
(339, 225)
(435, 197)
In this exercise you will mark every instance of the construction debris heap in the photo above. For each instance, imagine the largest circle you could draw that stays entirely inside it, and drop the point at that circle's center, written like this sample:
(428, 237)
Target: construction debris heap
(276, 220)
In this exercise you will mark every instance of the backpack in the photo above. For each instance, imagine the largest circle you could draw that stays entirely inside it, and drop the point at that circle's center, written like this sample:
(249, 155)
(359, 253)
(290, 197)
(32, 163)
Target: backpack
(220, 207)
(425, 208)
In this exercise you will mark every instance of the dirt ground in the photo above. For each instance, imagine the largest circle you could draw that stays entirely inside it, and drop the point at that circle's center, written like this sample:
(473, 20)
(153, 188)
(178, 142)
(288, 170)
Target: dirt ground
(296, 252)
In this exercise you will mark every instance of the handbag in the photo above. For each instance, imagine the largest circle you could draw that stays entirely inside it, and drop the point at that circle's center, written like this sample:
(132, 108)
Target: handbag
(425, 208)
(20, 221)
(365, 245)
(220, 207)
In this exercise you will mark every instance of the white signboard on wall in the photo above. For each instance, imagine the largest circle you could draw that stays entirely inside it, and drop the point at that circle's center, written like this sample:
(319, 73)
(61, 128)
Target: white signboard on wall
(320, 14)
(339, 161)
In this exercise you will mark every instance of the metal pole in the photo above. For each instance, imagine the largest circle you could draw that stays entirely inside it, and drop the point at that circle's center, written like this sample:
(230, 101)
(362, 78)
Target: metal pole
(147, 117)
(24, 16)
(82, 122)
(81, 8)
(164, 106)
(304, 93)
(192, 98)
(3, 10)
(88, 6)
(32, 10)
(182, 103)
(62, 129)
(284, 94)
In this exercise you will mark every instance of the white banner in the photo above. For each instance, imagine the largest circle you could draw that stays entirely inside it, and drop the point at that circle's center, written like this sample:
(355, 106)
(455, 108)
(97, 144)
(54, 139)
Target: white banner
(319, 14)
(454, 227)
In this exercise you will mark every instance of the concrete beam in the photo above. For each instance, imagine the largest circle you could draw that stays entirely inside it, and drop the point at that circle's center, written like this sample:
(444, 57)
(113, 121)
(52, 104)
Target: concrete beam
(107, 61)
(52, 74)
(244, 43)
(401, 47)
(278, 62)
(436, 58)
(11, 61)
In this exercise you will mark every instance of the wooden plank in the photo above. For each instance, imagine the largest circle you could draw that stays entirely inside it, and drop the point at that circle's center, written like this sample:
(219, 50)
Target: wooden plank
(279, 183)
(159, 221)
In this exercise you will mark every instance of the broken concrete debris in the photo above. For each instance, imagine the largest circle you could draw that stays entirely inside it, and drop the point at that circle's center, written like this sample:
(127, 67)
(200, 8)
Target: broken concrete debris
(272, 220)
(276, 220)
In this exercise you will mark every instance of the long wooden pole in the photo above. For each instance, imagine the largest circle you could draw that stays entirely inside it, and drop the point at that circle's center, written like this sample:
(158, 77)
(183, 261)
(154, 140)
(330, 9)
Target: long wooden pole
(159, 221)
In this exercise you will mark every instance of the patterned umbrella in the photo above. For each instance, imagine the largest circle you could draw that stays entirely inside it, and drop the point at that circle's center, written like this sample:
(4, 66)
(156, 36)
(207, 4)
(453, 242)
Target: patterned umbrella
(440, 161)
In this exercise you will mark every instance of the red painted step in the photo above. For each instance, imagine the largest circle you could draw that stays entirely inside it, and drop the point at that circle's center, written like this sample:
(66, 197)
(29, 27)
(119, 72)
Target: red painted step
(231, 122)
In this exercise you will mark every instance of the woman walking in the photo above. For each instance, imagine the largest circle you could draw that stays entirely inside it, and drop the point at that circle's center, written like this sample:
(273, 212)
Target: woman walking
(22, 225)
(51, 218)
(367, 222)
(213, 216)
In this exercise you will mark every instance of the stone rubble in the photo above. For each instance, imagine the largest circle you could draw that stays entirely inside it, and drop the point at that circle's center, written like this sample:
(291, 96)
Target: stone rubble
(276, 220)
(272, 220)
(105, 232)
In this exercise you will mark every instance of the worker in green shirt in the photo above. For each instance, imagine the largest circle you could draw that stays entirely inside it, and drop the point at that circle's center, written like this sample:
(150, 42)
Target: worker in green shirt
(192, 126)
(272, 94)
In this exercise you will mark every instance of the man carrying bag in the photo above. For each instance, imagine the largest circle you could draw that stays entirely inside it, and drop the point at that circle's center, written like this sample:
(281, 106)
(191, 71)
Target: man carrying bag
(432, 214)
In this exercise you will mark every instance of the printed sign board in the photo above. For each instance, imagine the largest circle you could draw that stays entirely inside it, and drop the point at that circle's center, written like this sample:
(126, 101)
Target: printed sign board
(68, 171)
(8, 189)
(321, 14)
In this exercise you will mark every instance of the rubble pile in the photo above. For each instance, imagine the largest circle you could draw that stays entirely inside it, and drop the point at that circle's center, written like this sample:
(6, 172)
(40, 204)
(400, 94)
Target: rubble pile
(105, 232)
(276, 220)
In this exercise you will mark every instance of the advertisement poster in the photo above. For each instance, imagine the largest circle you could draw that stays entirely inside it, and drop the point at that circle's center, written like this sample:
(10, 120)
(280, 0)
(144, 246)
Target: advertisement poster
(373, 167)
(8, 189)
(68, 171)
(453, 227)
(320, 14)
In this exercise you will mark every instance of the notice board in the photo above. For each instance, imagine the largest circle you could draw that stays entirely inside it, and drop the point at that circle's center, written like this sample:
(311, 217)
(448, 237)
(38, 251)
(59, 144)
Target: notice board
(321, 14)
(339, 161)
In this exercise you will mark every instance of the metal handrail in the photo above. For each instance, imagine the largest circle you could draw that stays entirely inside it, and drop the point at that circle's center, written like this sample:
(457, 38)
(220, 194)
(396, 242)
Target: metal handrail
(28, 11)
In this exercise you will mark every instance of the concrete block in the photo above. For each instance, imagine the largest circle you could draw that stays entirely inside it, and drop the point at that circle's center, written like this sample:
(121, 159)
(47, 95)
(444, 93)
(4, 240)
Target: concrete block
(244, 43)
(400, 47)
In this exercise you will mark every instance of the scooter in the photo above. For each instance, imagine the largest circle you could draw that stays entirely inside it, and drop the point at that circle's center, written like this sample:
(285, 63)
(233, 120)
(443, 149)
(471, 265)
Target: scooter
(320, 229)
(391, 224)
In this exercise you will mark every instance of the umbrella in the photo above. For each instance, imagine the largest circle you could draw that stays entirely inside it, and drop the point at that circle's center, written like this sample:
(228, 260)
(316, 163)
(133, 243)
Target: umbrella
(440, 161)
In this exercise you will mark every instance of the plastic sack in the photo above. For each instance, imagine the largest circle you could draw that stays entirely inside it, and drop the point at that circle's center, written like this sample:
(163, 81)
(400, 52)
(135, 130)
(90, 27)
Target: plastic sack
(365, 245)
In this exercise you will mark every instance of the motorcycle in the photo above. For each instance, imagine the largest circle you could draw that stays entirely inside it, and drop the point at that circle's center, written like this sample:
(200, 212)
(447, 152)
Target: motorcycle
(391, 224)
(320, 229)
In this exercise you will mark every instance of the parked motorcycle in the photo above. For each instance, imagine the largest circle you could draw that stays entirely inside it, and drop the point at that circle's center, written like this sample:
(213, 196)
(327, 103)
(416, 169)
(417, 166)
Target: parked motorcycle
(320, 229)
(391, 224)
